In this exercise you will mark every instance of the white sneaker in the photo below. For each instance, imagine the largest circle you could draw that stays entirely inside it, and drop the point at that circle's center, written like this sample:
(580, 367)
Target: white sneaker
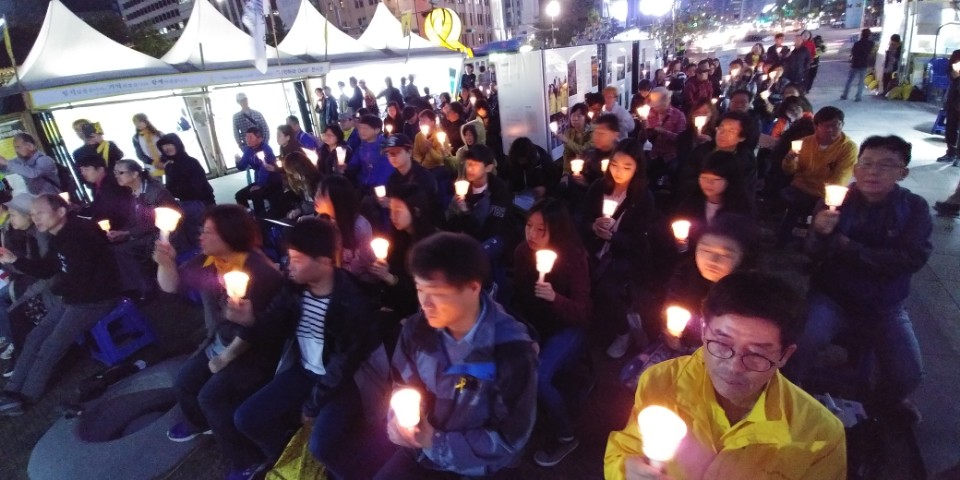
(7, 353)
(619, 346)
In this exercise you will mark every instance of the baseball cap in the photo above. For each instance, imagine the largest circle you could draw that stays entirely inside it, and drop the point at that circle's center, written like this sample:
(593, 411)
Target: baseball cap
(21, 202)
(396, 141)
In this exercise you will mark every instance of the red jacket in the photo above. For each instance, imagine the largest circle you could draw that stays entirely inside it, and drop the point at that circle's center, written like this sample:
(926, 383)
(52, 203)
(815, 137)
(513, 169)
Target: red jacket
(696, 91)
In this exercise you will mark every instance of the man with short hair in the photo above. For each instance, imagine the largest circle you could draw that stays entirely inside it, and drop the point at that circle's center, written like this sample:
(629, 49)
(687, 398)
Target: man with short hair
(247, 118)
(860, 57)
(39, 171)
(610, 105)
(744, 418)
(96, 146)
(267, 182)
(482, 212)
(662, 127)
(796, 65)
(406, 171)
(411, 91)
(825, 158)
(473, 364)
(469, 79)
(866, 250)
(773, 52)
(328, 325)
(368, 166)
(355, 100)
(698, 88)
(110, 201)
(306, 140)
(87, 281)
(391, 93)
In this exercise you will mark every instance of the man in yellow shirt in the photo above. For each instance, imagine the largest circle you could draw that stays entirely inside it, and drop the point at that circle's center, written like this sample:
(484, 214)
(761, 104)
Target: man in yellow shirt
(826, 158)
(744, 419)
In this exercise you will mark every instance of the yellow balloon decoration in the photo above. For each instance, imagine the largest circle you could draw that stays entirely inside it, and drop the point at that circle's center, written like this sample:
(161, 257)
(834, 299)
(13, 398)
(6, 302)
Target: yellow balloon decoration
(443, 27)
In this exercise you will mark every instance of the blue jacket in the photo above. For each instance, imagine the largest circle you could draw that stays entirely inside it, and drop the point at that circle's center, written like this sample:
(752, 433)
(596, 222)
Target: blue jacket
(889, 242)
(250, 160)
(483, 408)
(369, 167)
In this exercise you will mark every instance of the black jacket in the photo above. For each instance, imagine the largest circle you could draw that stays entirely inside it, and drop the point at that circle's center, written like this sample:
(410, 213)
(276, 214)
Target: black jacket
(112, 202)
(80, 258)
(630, 244)
(350, 334)
(861, 54)
(487, 214)
(186, 179)
(114, 155)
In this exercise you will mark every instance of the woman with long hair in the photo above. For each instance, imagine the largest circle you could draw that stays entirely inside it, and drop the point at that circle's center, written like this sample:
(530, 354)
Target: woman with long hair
(394, 119)
(145, 144)
(410, 218)
(559, 307)
(333, 142)
(617, 241)
(755, 57)
(722, 189)
(302, 178)
(288, 141)
(337, 199)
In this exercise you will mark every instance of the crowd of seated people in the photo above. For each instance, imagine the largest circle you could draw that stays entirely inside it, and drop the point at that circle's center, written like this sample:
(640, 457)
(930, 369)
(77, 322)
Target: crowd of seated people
(462, 303)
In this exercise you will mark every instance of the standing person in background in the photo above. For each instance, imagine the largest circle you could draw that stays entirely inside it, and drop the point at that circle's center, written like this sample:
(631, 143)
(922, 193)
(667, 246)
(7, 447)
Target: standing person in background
(39, 171)
(145, 144)
(391, 93)
(859, 63)
(818, 49)
(773, 52)
(355, 102)
(891, 63)
(755, 57)
(369, 98)
(96, 146)
(469, 79)
(332, 113)
(246, 118)
(320, 108)
(796, 64)
(951, 105)
(412, 90)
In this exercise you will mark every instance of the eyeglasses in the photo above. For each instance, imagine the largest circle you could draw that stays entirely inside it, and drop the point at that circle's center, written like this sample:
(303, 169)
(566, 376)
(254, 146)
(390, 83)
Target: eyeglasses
(879, 167)
(751, 361)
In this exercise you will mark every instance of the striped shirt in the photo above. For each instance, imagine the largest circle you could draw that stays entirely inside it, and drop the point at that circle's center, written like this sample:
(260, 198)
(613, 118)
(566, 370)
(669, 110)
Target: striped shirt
(310, 331)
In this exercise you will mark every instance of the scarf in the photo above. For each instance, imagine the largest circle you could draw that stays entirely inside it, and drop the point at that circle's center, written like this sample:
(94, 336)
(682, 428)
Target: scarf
(152, 152)
(104, 150)
(232, 262)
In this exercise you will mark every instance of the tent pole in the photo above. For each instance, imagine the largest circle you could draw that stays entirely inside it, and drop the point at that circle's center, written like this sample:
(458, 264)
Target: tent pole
(273, 23)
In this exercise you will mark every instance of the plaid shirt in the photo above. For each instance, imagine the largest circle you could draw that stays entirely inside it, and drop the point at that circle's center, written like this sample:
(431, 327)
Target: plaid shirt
(241, 123)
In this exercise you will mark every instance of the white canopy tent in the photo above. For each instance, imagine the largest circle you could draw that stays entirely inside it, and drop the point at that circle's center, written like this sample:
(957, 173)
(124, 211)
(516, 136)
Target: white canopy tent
(68, 51)
(210, 40)
(312, 35)
(386, 33)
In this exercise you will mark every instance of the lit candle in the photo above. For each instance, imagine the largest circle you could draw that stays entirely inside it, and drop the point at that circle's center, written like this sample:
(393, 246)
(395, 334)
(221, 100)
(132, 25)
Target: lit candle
(576, 166)
(734, 72)
(425, 130)
(643, 112)
(661, 431)
(545, 260)
(677, 319)
(700, 122)
(461, 187)
(554, 128)
(609, 208)
(432, 101)
(166, 221)
(311, 155)
(764, 77)
(956, 67)
(713, 101)
(590, 115)
(563, 110)
(604, 164)
(667, 84)
(726, 79)
(380, 191)
(279, 163)
(442, 138)
(381, 247)
(236, 284)
(473, 100)
(765, 94)
(65, 196)
(261, 155)
(104, 225)
(341, 155)
(389, 129)
(681, 231)
(406, 407)
(835, 194)
(796, 145)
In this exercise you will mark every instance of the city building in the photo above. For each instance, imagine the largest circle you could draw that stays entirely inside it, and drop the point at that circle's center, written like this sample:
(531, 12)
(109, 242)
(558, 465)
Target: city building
(165, 16)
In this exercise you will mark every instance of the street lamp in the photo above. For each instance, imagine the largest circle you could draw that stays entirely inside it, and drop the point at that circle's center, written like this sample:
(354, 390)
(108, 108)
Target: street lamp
(553, 10)
(659, 8)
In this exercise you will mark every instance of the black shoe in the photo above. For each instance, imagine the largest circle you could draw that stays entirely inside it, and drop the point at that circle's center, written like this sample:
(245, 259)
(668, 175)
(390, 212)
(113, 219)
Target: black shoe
(950, 157)
(947, 209)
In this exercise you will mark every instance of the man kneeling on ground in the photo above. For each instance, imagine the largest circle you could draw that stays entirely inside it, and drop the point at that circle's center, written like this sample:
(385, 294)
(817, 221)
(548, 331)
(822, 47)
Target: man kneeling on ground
(744, 419)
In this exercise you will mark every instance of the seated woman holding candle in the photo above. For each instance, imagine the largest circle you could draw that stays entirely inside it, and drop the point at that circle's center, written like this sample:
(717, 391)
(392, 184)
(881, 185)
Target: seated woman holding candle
(729, 244)
(617, 215)
(337, 199)
(693, 137)
(232, 362)
(334, 152)
(394, 119)
(559, 307)
(603, 140)
(132, 245)
(866, 246)
(428, 151)
(411, 221)
(326, 327)
(289, 143)
(744, 418)
(732, 133)
(721, 190)
(302, 179)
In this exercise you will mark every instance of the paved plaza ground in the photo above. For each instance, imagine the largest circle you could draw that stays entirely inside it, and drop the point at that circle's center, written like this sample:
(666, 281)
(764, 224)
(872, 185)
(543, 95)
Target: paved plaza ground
(931, 450)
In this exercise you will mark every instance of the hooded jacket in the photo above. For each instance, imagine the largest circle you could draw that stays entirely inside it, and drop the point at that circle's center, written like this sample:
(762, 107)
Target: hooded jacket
(186, 179)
